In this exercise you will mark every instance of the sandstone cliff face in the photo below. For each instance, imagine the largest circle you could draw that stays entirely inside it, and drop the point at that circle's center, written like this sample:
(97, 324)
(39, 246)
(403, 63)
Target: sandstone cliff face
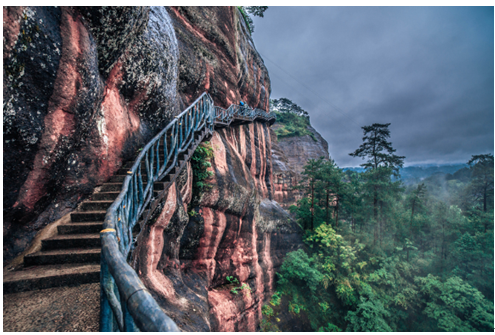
(75, 107)
(241, 232)
(218, 55)
(289, 155)
(85, 87)
(284, 176)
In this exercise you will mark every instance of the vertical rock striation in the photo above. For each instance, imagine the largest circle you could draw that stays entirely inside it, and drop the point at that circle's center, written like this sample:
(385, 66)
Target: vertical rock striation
(218, 55)
(84, 88)
(240, 232)
(290, 154)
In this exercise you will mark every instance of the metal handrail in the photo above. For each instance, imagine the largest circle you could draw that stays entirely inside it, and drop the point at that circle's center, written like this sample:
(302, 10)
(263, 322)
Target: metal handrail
(126, 304)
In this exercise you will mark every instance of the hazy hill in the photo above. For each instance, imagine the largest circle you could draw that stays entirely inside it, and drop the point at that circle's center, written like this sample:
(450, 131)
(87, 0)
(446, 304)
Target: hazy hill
(415, 173)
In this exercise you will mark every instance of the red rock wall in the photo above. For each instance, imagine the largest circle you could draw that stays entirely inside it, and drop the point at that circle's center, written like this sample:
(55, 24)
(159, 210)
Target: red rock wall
(284, 176)
(217, 55)
(241, 232)
(85, 87)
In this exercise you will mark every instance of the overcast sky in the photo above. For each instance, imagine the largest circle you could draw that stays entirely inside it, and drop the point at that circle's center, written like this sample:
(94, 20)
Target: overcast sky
(426, 70)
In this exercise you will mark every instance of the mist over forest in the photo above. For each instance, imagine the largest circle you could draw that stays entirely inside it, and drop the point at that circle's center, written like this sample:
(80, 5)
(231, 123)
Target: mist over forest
(388, 247)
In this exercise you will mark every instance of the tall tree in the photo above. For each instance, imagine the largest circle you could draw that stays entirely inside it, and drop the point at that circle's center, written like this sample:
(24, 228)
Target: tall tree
(334, 187)
(481, 186)
(415, 200)
(381, 164)
(377, 149)
(311, 176)
(379, 153)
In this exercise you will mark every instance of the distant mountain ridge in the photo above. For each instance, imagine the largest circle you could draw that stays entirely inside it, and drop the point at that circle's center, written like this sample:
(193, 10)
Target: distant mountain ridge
(415, 173)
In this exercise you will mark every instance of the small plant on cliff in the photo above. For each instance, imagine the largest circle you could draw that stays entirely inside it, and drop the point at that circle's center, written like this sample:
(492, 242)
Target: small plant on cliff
(269, 315)
(200, 162)
(244, 287)
(291, 124)
(235, 290)
(255, 11)
(292, 120)
(232, 280)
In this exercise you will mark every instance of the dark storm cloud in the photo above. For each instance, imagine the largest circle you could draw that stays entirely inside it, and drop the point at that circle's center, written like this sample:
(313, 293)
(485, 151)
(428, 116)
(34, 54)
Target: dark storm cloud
(427, 70)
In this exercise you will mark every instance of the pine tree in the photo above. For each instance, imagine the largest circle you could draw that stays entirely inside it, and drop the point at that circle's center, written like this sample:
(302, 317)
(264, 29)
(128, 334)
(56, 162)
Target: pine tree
(378, 151)
(381, 164)
(481, 186)
(334, 187)
(311, 176)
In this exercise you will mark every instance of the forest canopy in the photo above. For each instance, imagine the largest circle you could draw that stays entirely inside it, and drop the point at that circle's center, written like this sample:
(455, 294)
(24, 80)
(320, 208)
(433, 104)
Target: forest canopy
(380, 256)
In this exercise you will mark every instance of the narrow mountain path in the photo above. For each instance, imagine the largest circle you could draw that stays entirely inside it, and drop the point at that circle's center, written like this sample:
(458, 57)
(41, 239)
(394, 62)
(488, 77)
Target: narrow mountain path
(57, 309)
(57, 288)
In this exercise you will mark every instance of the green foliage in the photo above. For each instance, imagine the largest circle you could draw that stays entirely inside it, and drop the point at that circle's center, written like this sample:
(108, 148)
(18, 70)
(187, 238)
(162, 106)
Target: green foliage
(192, 213)
(455, 305)
(376, 148)
(480, 189)
(380, 257)
(284, 105)
(232, 280)
(276, 299)
(269, 315)
(267, 311)
(292, 120)
(369, 317)
(255, 11)
(247, 19)
(298, 268)
(244, 287)
(292, 125)
(200, 162)
(329, 328)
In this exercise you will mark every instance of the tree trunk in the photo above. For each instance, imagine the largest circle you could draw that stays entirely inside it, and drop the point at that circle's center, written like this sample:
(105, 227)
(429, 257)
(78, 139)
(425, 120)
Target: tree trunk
(380, 231)
(337, 213)
(375, 205)
(328, 196)
(312, 206)
(484, 199)
(412, 216)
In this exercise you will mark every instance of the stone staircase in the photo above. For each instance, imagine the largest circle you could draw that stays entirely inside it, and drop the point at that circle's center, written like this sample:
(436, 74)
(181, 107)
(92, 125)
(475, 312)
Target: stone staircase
(72, 257)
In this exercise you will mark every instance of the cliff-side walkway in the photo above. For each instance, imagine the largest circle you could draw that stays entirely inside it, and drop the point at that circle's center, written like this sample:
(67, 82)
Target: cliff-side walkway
(57, 309)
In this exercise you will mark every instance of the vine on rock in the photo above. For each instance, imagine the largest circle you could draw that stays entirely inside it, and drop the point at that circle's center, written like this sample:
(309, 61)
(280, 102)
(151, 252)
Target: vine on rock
(200, 162)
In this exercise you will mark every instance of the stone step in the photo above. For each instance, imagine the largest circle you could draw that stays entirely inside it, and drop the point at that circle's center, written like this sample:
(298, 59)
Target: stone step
(183, 157)
(129, 165)
(117, 187)
(122, 171)
(118, 178)
(168, 178)
(95, 205)
(63, 256)
(71, 241)
(105, 195)
(111, 187)
(46, 276)
(110, 195)
(80, 228)
(88, 216)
